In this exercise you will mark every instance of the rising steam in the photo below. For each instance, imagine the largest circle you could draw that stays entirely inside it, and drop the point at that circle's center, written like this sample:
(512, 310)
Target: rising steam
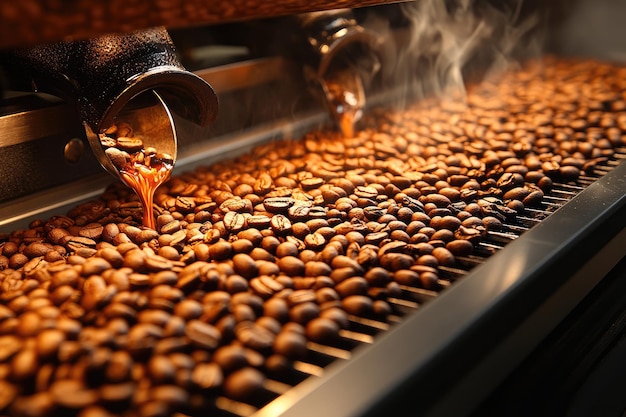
(449, 41)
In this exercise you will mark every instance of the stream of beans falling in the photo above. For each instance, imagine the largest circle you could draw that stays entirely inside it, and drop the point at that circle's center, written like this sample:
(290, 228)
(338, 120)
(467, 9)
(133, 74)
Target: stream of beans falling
(252, 260)
(141, 169)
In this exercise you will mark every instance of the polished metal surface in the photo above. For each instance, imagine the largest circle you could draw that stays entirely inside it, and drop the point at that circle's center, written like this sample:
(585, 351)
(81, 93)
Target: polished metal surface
(26, 125)
(30, 22)
(247, 74)
(54, 116)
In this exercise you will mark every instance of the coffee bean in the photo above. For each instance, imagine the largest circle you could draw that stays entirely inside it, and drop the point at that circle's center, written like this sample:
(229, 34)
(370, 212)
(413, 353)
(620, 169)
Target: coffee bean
(245, 265)
(280, 224)
(254, 336)
(239, 205)
(276, 308)
(202, 334)
(48, 342)
(243, 383)
(290, 344)
(304, 312)
(278, 204)
(24, 364)
(220, 250)
(359, 305)
(292, 266)
(207, 376)
(9, 346)
(322, 330)
(396, 261)
(161, 369)
(352, 286)
(170, 395)
(234, 221)
(460, 247)
(259, 222)
(8, 394)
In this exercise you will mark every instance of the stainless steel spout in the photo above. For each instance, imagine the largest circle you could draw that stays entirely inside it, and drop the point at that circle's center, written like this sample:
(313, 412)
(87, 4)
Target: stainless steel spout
(113, 75)
(344, 60)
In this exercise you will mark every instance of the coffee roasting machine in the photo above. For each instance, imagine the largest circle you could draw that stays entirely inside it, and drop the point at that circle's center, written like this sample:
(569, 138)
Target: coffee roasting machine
(536, 326)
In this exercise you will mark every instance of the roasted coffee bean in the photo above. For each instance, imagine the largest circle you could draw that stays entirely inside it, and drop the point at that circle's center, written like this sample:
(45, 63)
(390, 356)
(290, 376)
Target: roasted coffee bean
(245, 265)
(291, 266)
(239, 205)
(220, 250)
(290, 344)
(322, 330)
(352, 286)
(252, 259)
(280, 224)
(207, 376)
(259, 222)
(234, 221)
(9, 346)
(202, 334)
(278, 204)
(243, 383)
(359, 305)
(254, 336)
(460, 247)
(304, 312)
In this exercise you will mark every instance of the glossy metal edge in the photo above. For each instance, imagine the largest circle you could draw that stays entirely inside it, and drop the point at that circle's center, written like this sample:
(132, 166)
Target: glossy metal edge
(431, 348)
(74, 20)
(34, 124)
(248, 73)
(52, 120)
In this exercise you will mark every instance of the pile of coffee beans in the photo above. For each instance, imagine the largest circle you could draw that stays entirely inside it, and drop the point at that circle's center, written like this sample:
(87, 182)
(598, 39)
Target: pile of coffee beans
(253, 261)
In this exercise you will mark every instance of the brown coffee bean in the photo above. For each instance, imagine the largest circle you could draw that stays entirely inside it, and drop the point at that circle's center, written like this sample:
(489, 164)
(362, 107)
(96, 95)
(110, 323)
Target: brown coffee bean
(202, 334)
(336, 314)
(161, 369)
(280, 224)
(8, 394)
(291, 266)
(24, 364)
(243, 383)
(234, 222)
(278, 204)
(352, 286)
(315, 241)
(358, 305)
(170, 395)
(444, 256)
(254, 336)
(239, 205)
(9, 346)
(291, 344)
(48, 342)
(304, 312)
(460, 247)
(322, 330)
(220, 250)
(396, 261)
(445, 222)
(207, 376)
(245, 265)
(436, 199)
(407, 277)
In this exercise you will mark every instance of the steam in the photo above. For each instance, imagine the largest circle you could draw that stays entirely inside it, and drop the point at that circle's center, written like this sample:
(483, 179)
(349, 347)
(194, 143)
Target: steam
(449, 41)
